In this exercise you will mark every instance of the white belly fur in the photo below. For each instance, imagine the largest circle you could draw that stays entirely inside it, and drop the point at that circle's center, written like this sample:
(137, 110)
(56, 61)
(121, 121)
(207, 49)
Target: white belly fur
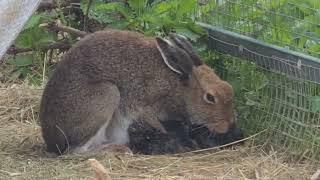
(115, 132)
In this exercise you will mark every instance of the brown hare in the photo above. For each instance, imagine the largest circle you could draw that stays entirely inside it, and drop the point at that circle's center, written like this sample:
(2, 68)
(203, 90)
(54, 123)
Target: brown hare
(111, 78)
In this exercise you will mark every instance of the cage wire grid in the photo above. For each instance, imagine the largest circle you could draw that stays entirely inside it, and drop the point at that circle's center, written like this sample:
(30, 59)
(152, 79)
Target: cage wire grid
(276, 94)
(287, 106)
(268, 20)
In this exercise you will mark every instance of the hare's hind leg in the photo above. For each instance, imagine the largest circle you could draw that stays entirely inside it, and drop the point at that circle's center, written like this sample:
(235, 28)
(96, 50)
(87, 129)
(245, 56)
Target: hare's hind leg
(104, 101)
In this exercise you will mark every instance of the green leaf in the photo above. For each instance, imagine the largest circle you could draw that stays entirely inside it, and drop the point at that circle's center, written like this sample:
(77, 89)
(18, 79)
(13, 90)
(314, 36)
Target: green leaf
(107, 6)
(206, 9)
(22, 60)
(24, 72)
(15, 75)
(161, 8)
(25, 39)
(138, 4)
(196, 28)
(107, 12)
(84, 4)
(20, 72)
(46, 38)
(33, 22)
(34, 37)
(314, 49)
(125, 12)
(186, 7)
(36, 19)
(34, 79)
(120, 25)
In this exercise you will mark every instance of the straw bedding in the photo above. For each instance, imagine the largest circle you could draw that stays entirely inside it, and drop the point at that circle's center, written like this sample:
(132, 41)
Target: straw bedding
(23, 154)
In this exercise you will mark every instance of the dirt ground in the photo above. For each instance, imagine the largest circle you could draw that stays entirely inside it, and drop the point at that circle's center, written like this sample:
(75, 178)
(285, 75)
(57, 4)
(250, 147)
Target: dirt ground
(23, 155)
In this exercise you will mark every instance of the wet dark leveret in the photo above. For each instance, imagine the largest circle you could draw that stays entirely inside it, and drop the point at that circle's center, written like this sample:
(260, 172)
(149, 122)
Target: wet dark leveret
(181, 137)
(207, 139)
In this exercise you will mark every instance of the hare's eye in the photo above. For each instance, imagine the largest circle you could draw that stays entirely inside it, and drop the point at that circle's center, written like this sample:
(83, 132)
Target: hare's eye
(209, 98)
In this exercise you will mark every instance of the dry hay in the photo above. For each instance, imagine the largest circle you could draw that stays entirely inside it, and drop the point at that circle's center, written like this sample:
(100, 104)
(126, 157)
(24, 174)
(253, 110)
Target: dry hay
(23, 155)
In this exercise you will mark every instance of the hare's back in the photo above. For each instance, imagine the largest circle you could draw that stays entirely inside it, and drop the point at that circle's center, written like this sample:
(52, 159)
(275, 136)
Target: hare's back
(113, 54)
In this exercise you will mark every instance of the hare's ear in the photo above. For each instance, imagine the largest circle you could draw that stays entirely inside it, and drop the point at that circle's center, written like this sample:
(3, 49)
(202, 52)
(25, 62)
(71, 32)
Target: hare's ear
(184, 43)
(174, 57)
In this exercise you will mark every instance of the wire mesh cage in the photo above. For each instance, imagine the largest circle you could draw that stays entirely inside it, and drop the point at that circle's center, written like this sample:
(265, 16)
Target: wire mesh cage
(277, 88)
(291, 23)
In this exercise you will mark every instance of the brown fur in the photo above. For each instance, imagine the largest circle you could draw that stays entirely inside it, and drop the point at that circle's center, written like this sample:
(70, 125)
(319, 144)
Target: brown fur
(118, 77)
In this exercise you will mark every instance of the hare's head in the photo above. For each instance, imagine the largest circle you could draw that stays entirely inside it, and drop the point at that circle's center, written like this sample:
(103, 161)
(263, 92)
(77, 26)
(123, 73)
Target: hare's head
(208, 99)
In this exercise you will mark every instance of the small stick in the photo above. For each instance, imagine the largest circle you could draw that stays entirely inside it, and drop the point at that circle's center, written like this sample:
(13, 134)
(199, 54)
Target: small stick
(63, 45)
(316, 175)
(57, 26)
(100, 171)
(225, 145)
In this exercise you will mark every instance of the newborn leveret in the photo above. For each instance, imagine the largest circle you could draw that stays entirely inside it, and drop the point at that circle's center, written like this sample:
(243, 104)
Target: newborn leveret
(181, 137)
